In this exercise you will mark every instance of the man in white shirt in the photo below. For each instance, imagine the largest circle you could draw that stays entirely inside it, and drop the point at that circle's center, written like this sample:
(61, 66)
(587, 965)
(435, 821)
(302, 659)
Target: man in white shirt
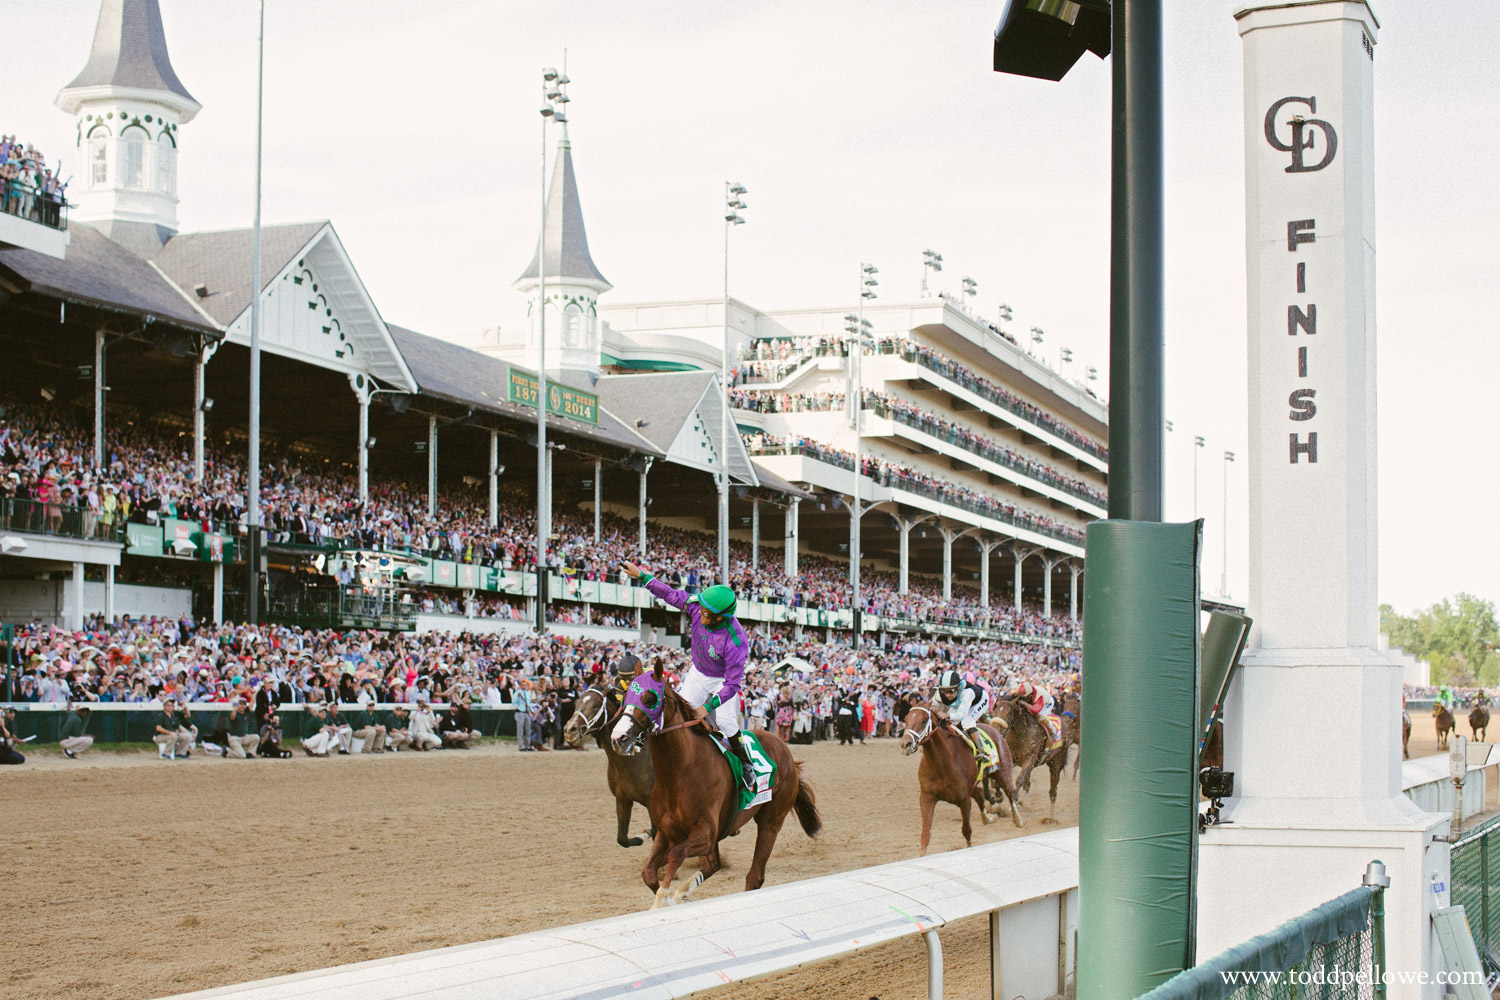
(424, 728)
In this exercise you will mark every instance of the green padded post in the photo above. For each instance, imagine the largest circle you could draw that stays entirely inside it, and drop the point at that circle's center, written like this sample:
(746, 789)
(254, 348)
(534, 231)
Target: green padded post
(1138, 809)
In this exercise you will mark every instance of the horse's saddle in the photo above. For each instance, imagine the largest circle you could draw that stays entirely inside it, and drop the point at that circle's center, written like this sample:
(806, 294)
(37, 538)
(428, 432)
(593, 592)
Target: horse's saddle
(762, 763)
(987, 754)
(1054, 727)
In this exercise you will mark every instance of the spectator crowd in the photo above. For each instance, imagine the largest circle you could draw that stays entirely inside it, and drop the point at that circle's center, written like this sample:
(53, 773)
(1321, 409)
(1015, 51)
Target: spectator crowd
(28, 187)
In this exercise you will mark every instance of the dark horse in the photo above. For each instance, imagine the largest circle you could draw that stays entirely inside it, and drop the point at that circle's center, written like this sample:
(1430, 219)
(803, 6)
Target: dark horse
(1405, 734)
(694, 803)
(630, 778)
(949, 772)
(1027, 737)
(1479, 721)
(1443, 720)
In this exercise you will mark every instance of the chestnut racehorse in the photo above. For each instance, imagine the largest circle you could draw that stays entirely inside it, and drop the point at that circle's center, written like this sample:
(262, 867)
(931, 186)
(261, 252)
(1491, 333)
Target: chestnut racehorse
(949, 772)
(694, 803)
(1028, 741)
(1443, 720)
(630, 778)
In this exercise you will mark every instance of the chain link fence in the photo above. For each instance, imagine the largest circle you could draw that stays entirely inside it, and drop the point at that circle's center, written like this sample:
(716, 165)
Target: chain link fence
(1331, 952)
(1475, 872)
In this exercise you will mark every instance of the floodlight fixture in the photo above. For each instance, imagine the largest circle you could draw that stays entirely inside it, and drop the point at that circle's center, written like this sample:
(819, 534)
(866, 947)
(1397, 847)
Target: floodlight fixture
(1044, 38)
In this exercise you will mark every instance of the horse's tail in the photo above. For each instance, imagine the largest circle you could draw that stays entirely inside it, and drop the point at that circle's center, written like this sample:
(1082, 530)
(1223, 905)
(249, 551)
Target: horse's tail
(807, 806)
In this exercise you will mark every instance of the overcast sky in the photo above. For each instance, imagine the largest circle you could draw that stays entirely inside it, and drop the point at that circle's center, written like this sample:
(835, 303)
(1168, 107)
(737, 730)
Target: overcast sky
(864, 131)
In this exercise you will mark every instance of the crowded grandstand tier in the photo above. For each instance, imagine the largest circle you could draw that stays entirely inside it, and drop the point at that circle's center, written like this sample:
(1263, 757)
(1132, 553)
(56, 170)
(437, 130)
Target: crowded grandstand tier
(398, 473)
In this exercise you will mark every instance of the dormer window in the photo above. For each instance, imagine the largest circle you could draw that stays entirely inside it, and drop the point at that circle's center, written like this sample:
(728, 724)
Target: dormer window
(134, 140)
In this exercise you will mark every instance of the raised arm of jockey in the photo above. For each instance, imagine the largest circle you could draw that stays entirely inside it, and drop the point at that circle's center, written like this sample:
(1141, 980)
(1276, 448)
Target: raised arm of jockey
(676, 598)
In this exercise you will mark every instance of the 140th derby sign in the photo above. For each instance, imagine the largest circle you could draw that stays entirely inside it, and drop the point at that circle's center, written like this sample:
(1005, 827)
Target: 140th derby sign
(562, 401)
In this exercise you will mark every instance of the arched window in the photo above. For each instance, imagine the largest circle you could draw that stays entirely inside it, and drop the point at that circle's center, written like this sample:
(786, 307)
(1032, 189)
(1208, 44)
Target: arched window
(133, 140)
(166, 163)
(98, 152)
(572, 326)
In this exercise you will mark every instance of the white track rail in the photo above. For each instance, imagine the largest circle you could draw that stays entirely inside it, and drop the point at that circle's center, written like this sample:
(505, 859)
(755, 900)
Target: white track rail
(1028, 886)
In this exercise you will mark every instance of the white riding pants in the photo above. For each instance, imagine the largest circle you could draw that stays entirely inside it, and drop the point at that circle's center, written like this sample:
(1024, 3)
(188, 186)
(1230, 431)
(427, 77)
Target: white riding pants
(697, 688)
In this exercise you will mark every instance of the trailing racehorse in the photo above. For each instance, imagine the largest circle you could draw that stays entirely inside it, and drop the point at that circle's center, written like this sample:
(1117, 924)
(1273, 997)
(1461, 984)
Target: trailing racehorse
(1405, 733)
(1213, 747)
(949, 772)
(1028, 738)
(1443, 720)
(1072, 716)
(630, 778)
(1479, 721)
(695, 802)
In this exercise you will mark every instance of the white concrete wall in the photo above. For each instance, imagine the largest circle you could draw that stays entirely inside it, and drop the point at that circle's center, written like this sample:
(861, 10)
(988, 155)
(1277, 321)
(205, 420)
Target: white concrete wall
(52, 600)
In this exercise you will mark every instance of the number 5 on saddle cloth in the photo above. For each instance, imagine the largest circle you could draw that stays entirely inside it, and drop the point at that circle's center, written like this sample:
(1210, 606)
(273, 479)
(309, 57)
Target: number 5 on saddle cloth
(761, 764)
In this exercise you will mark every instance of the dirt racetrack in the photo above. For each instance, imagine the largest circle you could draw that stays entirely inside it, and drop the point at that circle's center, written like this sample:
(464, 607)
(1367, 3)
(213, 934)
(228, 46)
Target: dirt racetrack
(128, 877)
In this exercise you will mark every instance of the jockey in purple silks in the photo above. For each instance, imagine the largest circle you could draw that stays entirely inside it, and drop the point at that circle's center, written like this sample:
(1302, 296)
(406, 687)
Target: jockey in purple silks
(720, 648)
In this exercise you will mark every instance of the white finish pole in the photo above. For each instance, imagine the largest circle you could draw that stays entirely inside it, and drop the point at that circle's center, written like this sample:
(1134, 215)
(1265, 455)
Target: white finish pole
(494, 479)
(364, 446)
(199, 393)
(252, 505)
(432, 459)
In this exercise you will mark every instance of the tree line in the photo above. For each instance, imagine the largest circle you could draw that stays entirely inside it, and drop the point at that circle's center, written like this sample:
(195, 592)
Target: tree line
(1458, 636)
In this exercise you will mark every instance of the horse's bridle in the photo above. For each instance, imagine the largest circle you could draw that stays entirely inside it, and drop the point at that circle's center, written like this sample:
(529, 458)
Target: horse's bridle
(926, 730)
(591, 724)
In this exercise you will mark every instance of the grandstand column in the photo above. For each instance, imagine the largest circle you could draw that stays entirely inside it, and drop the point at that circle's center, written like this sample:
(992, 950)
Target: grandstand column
(1308, 813)
(904, 559)
(494, 479)
(218, 593)
(109, 593)
(755, 536)
(1051, 564)
(364, 446)
(432, 466)
(75, 610)
(789, 552)
(99, 399)
(1074, 571)
(598, 497)
(1021, 553)
(199, 365)
(641, 511)
(948, 535)
(986, 550)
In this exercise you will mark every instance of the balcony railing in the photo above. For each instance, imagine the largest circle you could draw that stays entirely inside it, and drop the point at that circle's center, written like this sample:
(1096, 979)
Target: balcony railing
(985, 449)
(36, 517)
(896, 479)
(980, 387)
(27, 203)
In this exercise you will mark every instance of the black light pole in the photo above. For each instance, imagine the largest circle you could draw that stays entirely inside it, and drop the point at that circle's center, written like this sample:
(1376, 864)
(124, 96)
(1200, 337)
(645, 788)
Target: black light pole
(1137, 306)
(1138, 796)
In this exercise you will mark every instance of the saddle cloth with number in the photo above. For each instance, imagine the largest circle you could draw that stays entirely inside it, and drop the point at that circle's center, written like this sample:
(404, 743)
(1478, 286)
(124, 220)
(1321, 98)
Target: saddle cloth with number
(1054, 728)
(761, 763)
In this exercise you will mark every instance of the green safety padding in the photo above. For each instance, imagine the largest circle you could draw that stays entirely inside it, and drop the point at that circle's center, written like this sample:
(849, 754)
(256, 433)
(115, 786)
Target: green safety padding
(1223, 642)
(1138, 798)
(1277, 950)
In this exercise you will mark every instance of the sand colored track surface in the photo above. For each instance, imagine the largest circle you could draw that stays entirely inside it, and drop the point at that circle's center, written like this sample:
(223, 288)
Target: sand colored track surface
(129, 877)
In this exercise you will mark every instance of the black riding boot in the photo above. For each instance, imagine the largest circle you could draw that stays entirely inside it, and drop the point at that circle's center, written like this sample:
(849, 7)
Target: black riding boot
(747, 772)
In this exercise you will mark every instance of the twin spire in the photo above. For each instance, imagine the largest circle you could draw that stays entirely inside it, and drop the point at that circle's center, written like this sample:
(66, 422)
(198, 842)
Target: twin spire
(567, 244)
(129, 59)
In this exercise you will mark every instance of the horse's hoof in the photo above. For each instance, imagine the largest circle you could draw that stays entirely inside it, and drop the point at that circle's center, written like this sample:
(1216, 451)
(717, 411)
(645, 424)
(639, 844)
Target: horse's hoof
(632, 842)
(1048, 821)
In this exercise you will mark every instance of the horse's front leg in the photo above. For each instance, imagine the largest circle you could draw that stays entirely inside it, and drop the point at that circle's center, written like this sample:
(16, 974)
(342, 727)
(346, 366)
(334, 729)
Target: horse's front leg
(699, 842)
(653, 866)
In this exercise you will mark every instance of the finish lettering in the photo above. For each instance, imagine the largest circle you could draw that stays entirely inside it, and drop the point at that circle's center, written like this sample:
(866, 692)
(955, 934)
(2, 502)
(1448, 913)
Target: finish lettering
(1300, 231)
(1303, 407)
(1296, 320)
(1310, 449)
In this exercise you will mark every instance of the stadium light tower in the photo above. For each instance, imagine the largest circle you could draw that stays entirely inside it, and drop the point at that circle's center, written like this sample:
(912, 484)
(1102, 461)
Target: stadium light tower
(931, 261)
(1224, 571)
(553, 99)
(867, 285)
(970, 288)
(1037, 336)
(252, 479)
(1198, 443)
(734, 203)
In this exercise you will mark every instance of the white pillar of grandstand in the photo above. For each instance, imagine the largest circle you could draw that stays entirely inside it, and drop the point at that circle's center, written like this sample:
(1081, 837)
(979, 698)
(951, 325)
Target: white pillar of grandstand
(641, 511)
(598, 498)
(129, 105)
(904, 559)
(1051, 564)
(99, 387)
(75, 606)
(218, 593)
(1074, 571)
(364, 445)
(199, 395)
(432, 446)
(755, 536)
(494, 478)
(1310, 814)
(789, 552)
(1022, 553)
(986, 550)
(948, 535)
(109, 592)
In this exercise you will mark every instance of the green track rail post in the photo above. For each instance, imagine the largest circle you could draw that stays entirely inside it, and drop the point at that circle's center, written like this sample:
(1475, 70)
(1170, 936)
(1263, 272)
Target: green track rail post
(1377, 880)
(1138, 808)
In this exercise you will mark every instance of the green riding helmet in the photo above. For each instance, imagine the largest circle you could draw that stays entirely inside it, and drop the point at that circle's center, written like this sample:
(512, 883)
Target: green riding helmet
(720, 600)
